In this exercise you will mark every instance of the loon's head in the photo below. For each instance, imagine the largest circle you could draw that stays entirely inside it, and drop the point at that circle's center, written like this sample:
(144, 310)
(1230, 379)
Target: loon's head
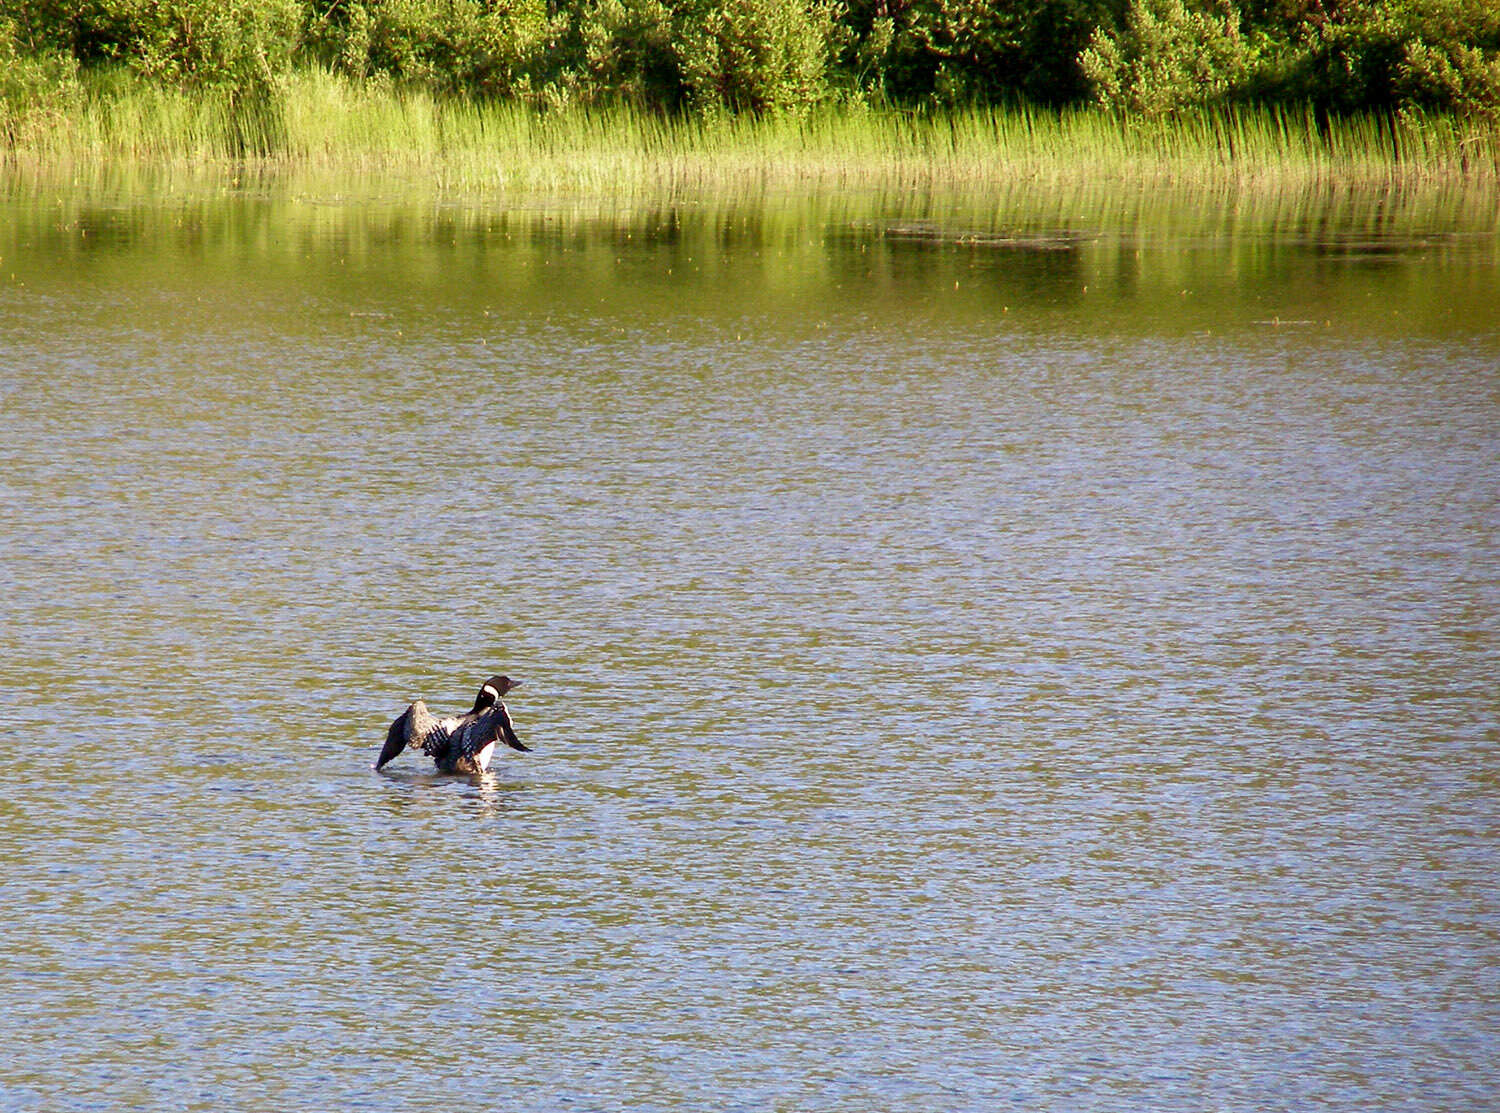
(492, 690)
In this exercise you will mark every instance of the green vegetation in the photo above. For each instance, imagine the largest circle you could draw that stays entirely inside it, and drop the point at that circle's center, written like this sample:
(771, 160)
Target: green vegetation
(327, 121)
(1148, 56)
(534, 89)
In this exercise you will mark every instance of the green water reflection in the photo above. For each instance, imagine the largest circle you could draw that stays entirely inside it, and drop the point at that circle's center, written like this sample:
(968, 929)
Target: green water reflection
(1393, 262)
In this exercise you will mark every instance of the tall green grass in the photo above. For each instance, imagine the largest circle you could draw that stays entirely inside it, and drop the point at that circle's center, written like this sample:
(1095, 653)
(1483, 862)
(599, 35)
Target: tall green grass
(317, 120)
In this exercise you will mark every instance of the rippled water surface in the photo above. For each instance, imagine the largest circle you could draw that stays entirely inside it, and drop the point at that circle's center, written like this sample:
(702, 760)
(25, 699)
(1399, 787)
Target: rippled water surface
(977, 656)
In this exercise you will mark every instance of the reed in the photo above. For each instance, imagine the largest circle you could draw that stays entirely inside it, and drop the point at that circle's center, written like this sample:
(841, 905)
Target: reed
(317, 120)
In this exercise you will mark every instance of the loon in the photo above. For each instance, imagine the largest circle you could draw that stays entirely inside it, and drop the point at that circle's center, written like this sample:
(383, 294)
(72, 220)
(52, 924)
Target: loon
(458, 743)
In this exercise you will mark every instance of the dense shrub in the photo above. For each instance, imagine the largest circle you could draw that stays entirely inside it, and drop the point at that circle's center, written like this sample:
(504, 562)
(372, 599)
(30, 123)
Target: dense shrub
(752, 55)
(622, 50)
(1385, 55)
(1139, 56)
(745, 55)
(963, 51)
(1449, 56)
(242, 44)
(38, 88)
(488, 47)
(1167, 56)
(1450, 76)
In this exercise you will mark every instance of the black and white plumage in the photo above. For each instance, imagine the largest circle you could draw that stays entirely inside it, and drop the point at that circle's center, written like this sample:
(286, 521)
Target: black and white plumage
(458, 743)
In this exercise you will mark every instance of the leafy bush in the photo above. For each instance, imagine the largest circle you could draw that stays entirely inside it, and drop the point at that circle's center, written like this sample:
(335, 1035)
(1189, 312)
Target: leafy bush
(1449, 76)
(474, 46)
(752, 55)
(744, 55)
(1390, 55)
(1450, 57)
(241, 44)
(1141, 56)
(623, 50)
(38, 90)
(963, 51)
(1165, 57)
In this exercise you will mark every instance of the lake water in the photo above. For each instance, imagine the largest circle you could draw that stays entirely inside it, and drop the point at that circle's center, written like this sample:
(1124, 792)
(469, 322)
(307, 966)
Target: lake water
(1023, 652)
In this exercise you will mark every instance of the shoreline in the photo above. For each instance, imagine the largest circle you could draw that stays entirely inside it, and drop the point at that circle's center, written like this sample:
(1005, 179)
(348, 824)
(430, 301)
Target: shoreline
(322, 123)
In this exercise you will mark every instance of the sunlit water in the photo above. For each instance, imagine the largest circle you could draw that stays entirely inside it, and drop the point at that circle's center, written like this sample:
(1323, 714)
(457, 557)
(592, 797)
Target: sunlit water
(975, 659)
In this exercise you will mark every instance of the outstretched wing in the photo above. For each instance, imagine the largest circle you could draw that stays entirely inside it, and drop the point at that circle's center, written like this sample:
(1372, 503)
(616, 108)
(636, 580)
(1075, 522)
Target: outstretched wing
(503, 730)
(395, 738)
